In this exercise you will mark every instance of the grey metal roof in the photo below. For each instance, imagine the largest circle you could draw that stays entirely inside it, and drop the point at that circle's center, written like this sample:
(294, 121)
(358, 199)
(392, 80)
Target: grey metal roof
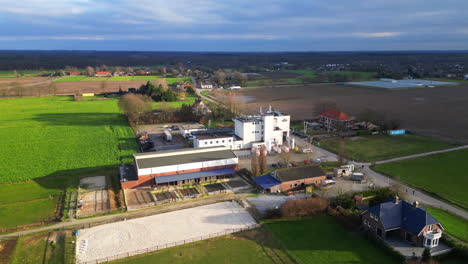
(404, 215)
(299, 173)
(193, 175)
(182, 157)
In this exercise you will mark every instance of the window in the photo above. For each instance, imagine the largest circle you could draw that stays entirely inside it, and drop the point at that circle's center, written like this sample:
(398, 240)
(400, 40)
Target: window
(230, 140)
(223, 140)
(211, 142)
(428, 242)
(217, 141)
(429, 228)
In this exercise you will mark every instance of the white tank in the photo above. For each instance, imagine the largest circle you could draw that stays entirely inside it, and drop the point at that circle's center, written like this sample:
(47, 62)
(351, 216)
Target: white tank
(285, 149)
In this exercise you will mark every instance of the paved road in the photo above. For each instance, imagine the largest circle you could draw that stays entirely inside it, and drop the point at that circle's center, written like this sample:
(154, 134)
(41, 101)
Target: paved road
(87, 222)
(412, 194)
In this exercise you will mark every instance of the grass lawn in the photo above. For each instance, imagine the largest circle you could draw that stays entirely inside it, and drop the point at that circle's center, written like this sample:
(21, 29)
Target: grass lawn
(24, 73)
(120, 78)
(189, 100)
(442, 174)
(320, 239)
(308, 73)
(95, 79)
(226, 249)
(58, 135)
(214, 123)
(145, 78)
(454, 225)
(23, 213)
(174, 80)
(71, 78)
(35, 249)
(31, 190)
(448, 80)
(382, 147)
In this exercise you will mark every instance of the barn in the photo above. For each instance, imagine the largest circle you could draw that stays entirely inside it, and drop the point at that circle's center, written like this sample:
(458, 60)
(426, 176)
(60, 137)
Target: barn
(180, 167)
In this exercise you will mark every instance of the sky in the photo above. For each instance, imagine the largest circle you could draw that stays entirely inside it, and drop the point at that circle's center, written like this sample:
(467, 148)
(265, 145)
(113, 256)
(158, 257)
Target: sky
(234, 25)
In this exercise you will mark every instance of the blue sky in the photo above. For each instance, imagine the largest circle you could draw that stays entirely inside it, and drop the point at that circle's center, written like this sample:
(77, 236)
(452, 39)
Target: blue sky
(240, 25)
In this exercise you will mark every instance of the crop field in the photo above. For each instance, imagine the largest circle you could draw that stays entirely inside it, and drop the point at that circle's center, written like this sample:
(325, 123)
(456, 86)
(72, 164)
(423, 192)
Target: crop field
(305, 241)
(442, 174)
(95, 79)
(174, 80)
(59, 135)
(24, 73)
(425, 111)
(71, 78)
(375, 148)
(145, 78)
(453, 224)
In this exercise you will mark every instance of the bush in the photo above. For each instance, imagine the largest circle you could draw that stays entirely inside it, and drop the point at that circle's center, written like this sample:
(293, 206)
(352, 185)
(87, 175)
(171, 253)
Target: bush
(426, 255)
(273, 213)
(381, 195)
(345, 201)
(303, 207)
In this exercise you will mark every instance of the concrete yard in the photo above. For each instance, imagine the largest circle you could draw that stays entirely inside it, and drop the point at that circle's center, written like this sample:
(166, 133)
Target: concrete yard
(105, 241)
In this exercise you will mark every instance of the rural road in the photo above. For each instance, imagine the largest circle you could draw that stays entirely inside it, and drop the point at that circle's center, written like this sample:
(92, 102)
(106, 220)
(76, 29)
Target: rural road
(412, 194)
(165, 208)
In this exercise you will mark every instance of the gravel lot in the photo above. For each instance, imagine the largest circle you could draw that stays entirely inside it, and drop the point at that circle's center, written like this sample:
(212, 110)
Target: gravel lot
(265, 202)
(96, 182)
(141, 233)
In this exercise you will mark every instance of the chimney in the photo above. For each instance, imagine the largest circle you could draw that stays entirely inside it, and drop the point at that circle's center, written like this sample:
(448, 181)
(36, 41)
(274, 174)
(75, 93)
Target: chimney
(397, 199)
(261, 112)
(416, 204)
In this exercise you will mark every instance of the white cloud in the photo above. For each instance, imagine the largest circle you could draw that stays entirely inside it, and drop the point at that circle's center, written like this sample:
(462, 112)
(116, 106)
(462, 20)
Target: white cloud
(376, 34)
(46, 8)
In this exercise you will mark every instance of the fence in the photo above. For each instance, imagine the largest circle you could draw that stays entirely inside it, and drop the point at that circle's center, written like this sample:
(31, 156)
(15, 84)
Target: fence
(173, 244)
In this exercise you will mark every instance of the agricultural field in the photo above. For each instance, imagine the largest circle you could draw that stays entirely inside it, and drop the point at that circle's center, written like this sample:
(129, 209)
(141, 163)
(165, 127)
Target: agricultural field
(24, 73)
(63, 140)
(145, 78)
(71, 78)
(304, 240)
(383, 147)
(175, 80)
(95, 79)
(120, 78)
(429, 172)
(454, 225)
(355, 76)
(246, 247)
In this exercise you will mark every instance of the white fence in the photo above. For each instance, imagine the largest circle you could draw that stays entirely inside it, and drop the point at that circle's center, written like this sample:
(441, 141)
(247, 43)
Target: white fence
(173, 244)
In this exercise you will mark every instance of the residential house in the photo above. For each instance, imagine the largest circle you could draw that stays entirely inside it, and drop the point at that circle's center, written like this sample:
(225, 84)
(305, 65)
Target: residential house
(200, 108)
(402, 220)
(103, 74)
(335, 120)
(119, 73)
(74, 73)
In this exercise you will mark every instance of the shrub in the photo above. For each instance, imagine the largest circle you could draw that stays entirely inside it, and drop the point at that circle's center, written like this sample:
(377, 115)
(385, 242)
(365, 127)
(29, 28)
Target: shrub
(426, 255)
(303, 207)
(344, 200)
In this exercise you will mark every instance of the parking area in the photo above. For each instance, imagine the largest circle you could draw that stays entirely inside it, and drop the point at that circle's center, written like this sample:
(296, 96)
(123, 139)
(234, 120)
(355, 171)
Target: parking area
(159, 231)
(155, 134)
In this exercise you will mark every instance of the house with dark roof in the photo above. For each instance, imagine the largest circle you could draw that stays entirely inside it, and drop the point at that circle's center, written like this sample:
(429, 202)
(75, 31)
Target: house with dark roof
(399, 219)
(200, 108)
(335, 120)
(291, 179)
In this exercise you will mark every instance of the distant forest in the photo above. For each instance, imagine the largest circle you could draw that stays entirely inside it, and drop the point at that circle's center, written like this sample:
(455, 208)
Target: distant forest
(358, 61)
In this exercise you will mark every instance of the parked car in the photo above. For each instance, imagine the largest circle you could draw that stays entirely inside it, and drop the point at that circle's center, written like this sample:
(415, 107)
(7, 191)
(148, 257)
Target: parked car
(274, 165)
(294, 164)
(174, 127)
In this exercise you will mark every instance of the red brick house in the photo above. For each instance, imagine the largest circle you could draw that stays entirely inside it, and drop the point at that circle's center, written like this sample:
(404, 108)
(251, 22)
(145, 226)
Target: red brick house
(291, 179)
(335, 120)
(74, 73)
(103, 74)
(399, 219)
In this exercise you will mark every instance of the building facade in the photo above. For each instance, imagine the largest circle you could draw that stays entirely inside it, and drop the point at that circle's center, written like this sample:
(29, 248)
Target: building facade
(291, 179)
(180, 167)
(408, 222)
(334, 120)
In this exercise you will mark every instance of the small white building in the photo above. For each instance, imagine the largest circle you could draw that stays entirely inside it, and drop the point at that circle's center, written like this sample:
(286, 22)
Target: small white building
(206, 140)
(206, 85)
(235, 87)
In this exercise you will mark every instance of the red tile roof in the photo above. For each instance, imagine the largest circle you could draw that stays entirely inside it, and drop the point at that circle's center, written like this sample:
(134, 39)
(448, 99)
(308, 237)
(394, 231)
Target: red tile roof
(335, 114)
(103, 72)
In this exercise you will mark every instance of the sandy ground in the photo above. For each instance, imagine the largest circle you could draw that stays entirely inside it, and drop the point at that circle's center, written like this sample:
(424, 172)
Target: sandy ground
(94, 202)
(138, 198)
(146, 232)
(96, 182)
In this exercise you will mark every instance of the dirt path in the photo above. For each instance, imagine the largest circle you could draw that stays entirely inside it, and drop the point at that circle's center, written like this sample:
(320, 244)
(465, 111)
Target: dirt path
(88, 222)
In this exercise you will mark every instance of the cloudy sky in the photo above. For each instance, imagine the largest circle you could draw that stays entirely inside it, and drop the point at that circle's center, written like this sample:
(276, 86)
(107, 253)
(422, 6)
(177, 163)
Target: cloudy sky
(234, 25)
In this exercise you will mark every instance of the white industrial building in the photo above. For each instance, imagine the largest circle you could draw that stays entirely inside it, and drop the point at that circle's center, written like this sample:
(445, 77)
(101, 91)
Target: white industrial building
(270, 129)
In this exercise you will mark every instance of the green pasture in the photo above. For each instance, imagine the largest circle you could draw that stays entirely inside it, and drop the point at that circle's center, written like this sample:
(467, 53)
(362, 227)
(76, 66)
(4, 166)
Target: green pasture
(455, 225)
(71, 78)
(145, 78)
(23, 213)
(120, 78)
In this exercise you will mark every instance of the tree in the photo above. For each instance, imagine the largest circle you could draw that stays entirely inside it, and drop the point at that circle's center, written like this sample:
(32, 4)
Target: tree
(285, 157)
(133, 105)
(342, 151)
(220, 77)
(190, 90)
(103, 87)
(324, 104)
(89, 71)
(240, 78)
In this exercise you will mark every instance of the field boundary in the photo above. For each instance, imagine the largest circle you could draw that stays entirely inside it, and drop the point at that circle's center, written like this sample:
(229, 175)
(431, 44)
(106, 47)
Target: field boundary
(173, 244)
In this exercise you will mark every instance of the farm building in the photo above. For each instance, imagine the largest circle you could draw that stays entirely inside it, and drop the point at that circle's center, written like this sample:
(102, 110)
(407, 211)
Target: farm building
(200, 108)
(74, 73)
(335, 120)
(270, 129)
(103, 74)
(206, 85)
(180, 167)
(291, 179)
(400, 219)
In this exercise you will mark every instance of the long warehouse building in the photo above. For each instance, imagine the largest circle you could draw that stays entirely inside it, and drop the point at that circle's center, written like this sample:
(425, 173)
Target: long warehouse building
(180, 167)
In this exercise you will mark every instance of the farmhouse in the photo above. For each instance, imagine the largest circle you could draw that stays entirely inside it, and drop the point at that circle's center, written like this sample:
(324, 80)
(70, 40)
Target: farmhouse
(200, 108)
(103, 74)
(119, 73)
(402, 220)
(206, 85)
(291, 179)
(180, 167)
(74, 73)
(335, 120)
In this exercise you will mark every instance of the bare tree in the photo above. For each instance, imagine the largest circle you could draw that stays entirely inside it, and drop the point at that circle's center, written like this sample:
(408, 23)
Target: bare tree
(285, 157)
(240, 78)
(133, 105)
(220, 77)
(324, 104)
(103, 87)
(341, 151)
(89, 71)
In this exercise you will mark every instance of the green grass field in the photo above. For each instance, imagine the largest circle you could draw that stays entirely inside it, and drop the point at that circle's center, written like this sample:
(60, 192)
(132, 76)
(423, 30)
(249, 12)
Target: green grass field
(309, 73)
(454, 225)
(442, 174)
(35, 249)
(382, 147)
(50, 136)
(356, 76)
(145, 78)
(31, 190)
(174, 80)
(227, 249)
(320, 239)
(24, 73)
(120, 78)
(71, 78)
(95, 79)
(23, 213)
(448, 80)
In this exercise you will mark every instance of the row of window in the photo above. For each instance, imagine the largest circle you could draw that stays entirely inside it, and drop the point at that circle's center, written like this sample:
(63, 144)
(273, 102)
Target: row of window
(217, 142)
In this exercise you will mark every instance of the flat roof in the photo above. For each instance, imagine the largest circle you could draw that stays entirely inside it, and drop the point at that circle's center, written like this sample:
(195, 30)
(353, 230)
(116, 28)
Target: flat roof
(214, 135)
(299, 173)
(399, 84)
(192, 126)
(181, 156)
